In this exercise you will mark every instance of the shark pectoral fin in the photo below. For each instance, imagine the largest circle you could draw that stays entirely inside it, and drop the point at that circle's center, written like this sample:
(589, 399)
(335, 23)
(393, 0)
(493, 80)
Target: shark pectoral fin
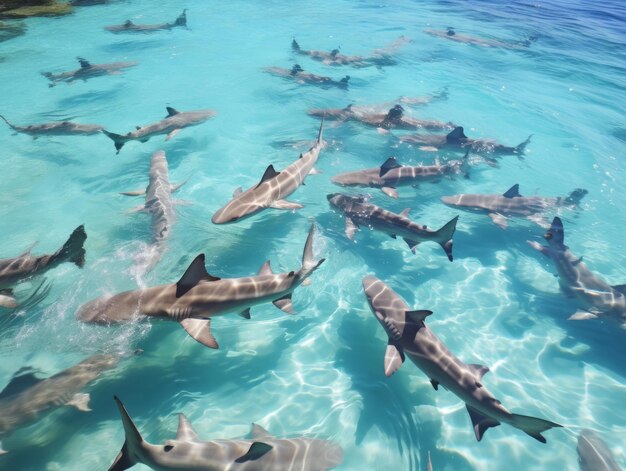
(200, 331)
(266, 269)
(418, 316)
(499, 220)
(237, 192)
(284, 204)
(172, 134)
(581, 315)
(80, 401)
(428, 148)
(480, 422)
(174, 188)
(314, 171)
(259, 432)
(245, 313)
(478, 370)
(351, 228)
(435, 384)
(538, 247)
(185, 432)
(394, 357)
(194, 274)
(2, 450)
(619, 288)
(7, 300)
(411, 243)
(284, 304)
(256, 451)
(391, 192)
(134, 193)
(136, 209)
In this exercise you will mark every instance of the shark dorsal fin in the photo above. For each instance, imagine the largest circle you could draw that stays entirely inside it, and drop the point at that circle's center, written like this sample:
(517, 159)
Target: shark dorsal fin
(266, 269)
(237, 192)
(456, 134)
(185, 432)
(194, 274)
(171, 111)
(513, 192)
(478, 370)
(389, 164)
(269, 174)
(405, 212)
(620, 288)
(24, 379)
(259, 432)
(256, 451)
(418, 316)
(84, 63)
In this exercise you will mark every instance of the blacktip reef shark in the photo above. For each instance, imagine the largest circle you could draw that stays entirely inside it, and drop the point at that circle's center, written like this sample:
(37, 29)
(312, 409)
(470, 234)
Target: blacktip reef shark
(456, 139)
(87, 71)
(511, 203)
(199, 296)
(273, 188)
(452, 35)
(359, 212)
(297, 74)
(600, 300)
(263, 452)
(159, 203)
(171, 125)
(58, 128)
(26, 265)
(129, 27)
(391, 175)
(26, 398)
(380, 57)
(409, 336)
(593, 454)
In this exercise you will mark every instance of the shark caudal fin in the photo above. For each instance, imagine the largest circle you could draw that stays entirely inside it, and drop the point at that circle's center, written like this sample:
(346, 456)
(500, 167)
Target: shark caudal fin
(520, 148)
(444, 236)
(118, 140)
(573, 198)
(320, 134)
(7, 121)
(127, 457)
(73, 250)
(532, 426)
(309, 264)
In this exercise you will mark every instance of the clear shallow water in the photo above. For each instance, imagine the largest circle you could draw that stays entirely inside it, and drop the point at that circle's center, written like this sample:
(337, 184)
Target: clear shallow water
(320, 373)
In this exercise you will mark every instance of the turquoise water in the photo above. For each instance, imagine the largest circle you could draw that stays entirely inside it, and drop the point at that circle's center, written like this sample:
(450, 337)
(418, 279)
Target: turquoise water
(319, 373)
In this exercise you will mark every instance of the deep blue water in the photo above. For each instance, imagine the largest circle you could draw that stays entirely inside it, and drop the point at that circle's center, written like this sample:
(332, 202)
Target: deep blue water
(320, 373)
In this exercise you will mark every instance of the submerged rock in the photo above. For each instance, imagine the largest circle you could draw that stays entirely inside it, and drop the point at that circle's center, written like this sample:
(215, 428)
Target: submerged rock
(28, 8)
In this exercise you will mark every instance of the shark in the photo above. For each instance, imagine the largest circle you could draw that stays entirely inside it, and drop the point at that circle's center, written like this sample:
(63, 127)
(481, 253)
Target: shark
(380, 57)
(408, 335)
(159, 202)
(27, 398)
(297, 74)
(358, 211)
(452, 35)
(58, 128)
(198, 296)
(87, 71)
(391, 175)
(511, 203)
(24, 266)
(593, 454)
(171, 125)
(129, 27)
(456, 139)
(599, 299)
(263, 452)
(273, 187)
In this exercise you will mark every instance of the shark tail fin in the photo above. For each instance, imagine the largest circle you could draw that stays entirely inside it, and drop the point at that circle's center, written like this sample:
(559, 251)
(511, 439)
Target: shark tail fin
(574, 197)
(73, 250)
(520, 148)
(309, 264)
(533, 426)
(118, 140)
(126, 458)
(7, 121)
(444, 236)
(465, 164)
(182, 19)
(320, 133)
